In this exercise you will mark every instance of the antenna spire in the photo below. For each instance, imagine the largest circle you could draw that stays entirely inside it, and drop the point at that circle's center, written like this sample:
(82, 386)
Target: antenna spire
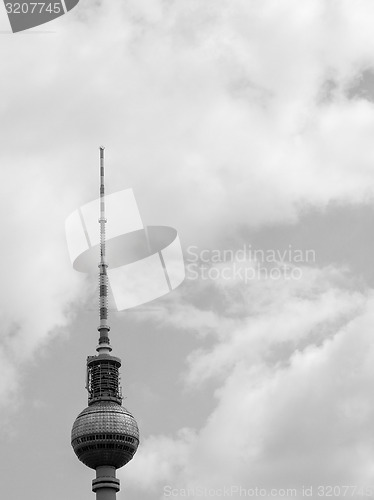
(104, 343)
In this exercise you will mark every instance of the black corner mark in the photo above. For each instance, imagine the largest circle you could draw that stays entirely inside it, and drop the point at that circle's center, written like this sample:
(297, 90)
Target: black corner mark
(26, 14)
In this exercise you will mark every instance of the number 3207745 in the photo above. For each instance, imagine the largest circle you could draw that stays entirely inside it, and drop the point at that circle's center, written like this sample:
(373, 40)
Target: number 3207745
(33, 8)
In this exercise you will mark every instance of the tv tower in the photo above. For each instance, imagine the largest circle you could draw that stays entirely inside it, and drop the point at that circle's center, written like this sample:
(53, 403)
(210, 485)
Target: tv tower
(105, 436)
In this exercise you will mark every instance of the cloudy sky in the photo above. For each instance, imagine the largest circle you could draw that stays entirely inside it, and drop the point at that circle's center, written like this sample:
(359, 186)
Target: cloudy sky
(244, 125)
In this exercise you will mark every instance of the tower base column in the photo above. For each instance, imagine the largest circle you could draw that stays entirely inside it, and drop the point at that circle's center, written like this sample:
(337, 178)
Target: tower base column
(106, 484)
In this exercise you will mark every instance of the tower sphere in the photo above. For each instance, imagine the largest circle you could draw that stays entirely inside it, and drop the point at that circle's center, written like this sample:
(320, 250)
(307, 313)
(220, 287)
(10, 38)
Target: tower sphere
(105, 434)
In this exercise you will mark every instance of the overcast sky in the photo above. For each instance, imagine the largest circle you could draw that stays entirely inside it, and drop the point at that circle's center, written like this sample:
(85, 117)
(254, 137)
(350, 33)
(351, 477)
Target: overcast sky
(242, 124)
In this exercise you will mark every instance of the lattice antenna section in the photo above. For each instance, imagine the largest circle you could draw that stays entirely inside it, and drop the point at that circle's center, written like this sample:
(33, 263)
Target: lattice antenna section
(104, 343)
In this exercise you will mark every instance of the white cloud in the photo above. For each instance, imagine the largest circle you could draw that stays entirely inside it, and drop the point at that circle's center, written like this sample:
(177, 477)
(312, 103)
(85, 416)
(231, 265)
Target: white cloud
(293, 405)
(38, 285)
(282, 315)
(164, 459)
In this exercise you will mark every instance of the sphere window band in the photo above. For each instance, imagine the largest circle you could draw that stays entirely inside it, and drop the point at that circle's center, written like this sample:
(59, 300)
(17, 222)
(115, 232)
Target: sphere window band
(108, 446)
(119, 437)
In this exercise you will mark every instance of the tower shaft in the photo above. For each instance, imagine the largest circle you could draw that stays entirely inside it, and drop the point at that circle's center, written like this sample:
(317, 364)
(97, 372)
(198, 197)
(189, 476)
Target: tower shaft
(106, 485)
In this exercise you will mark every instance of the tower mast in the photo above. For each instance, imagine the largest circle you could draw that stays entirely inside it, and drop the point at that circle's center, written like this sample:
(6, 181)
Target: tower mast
(104, 343)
